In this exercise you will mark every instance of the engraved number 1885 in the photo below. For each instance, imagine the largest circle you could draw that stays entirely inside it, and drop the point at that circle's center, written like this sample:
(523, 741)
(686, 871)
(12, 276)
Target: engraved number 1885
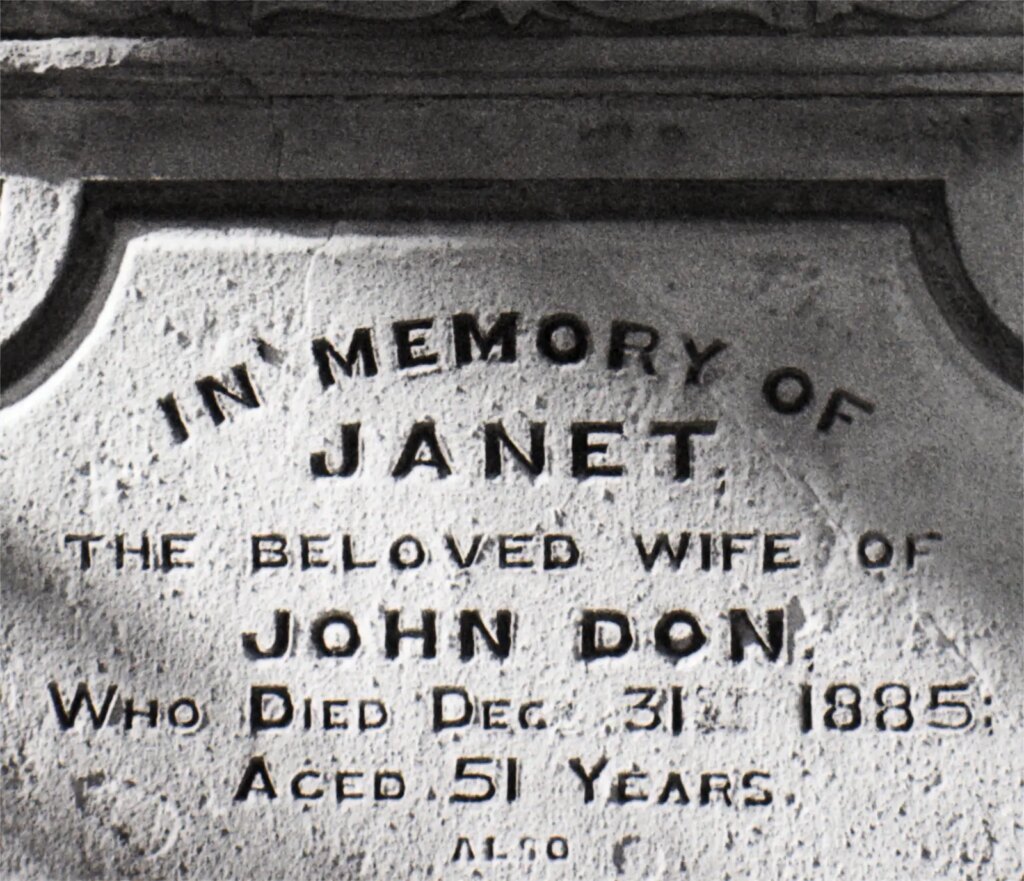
(846, 709)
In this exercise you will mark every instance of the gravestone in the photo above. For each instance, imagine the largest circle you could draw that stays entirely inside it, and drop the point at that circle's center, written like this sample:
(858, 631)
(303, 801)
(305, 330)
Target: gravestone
(512, 440)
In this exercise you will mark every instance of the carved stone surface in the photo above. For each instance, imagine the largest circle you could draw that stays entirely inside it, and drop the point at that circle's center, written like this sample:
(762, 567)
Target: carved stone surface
(248, 304)
(656, 17)
(660, 362)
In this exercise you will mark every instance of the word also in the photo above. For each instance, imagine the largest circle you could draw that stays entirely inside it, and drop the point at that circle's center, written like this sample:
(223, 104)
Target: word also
(555, 848)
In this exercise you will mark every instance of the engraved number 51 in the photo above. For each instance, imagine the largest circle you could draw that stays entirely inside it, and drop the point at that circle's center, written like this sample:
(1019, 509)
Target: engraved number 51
(482, 785)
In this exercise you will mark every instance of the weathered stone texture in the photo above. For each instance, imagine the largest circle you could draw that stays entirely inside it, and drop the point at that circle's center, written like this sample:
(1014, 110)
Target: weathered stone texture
(255, 193)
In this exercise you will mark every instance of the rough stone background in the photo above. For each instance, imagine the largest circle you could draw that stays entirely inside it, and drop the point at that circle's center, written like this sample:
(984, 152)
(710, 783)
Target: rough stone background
(207, 92)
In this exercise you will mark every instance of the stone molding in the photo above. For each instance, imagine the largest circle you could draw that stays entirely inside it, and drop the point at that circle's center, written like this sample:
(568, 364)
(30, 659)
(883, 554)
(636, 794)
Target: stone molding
(722, 92)
(278, 67)
(151, 18)
(63, 319)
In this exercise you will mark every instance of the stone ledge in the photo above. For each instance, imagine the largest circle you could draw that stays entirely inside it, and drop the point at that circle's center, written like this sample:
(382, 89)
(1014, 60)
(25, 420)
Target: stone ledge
(918, 205)
(284, 67)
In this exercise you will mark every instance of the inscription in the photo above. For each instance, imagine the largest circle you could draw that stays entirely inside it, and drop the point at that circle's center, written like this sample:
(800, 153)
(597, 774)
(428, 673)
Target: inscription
(590, 449)
(497, 586)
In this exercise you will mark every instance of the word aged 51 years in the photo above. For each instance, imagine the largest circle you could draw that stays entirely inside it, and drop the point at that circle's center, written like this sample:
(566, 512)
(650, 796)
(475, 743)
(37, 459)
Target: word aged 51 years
(482, 779)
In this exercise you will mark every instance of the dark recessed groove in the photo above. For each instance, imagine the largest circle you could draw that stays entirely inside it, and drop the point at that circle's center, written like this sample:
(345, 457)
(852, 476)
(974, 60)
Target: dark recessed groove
(71, 307)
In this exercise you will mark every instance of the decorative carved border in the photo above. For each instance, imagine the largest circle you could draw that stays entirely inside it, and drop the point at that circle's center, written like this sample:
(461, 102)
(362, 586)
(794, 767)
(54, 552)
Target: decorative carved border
(69, 311)
(198, 18)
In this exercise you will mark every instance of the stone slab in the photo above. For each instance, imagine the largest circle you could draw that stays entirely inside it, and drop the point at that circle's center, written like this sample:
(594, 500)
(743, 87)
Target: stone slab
(874, 735)
(660, 362)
